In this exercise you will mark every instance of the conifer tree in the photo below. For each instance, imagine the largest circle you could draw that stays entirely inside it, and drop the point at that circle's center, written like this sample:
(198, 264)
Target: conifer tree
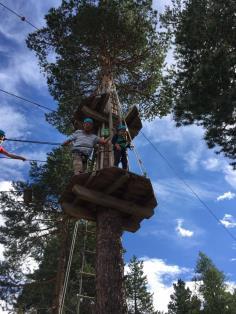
(93, 40)
(139, 299)
(182, 301)
(98, 45)
(212, 286)
(203, 82)
(34, 231)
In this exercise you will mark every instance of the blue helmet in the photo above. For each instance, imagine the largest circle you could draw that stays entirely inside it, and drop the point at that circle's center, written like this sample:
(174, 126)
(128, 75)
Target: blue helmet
(121, 127)
(2, 133)
(88, 120)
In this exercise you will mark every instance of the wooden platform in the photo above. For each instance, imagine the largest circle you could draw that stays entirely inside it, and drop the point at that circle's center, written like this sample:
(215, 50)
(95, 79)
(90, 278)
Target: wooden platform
(92, 107)
(112, 188)
(133, 121)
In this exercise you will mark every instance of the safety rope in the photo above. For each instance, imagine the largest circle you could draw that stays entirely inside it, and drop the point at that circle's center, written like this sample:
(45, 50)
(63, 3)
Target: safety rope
(62, 301)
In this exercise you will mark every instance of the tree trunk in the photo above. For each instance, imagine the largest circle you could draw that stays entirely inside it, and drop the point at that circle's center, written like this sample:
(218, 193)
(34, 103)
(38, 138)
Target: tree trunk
(110, 291)
(61, 267)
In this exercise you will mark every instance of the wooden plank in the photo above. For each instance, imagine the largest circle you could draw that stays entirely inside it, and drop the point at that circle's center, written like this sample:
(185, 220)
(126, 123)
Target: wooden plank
(101, 105)
(90, 178)
(78, 212)
(118, 183)
(129, 224)
(133, 121)
(108, 201)
(94, 114)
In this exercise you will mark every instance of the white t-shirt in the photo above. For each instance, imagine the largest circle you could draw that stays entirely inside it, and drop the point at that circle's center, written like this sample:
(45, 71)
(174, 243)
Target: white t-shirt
(83, 142)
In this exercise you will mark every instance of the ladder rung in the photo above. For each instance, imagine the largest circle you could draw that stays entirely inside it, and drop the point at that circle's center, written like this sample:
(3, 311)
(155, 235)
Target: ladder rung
(88, 231)
(87, 274)
(90, 252)
(85, 296)
(92, 232)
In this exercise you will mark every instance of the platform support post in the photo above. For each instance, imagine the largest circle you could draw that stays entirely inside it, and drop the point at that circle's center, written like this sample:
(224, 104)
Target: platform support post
(110, 290)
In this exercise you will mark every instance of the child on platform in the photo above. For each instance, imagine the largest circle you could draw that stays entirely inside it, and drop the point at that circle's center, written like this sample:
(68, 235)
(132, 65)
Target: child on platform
(6, 153)
(120, 144)
(83, 142)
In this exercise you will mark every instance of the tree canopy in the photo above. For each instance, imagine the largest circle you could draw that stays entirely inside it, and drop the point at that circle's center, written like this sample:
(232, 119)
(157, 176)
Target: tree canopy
(139, 299)
(83, 39)
(203, 81)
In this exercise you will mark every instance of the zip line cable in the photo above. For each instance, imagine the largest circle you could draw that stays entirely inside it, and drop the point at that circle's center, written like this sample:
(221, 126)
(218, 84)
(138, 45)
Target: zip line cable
(32, 142)
(26, 100)
(23, 19)
(189, 187)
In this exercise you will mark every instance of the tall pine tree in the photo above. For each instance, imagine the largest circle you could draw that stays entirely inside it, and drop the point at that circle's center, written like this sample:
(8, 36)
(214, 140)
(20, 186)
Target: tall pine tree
(95, 39)
(212, 286)
(203, 82)
(139, 299)
(35, 231)
(182, 300)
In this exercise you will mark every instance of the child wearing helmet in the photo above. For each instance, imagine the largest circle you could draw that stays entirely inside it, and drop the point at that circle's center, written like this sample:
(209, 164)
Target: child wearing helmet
(83, 142)
(4, 152)
(120, 144)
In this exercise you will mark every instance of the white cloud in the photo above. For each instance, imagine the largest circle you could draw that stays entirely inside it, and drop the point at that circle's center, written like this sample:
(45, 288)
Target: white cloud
(161, 277)
(170, 189)
(14, 123)
(212, 164)
(192, 158)
(233, 260)
(158, 272)
(226, 196)
(185, 233)
(228, 221)
(230, 175)
(164, 130)
(5, 185)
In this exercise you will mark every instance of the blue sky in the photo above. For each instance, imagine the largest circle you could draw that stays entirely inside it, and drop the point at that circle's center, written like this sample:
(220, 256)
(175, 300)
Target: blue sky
(170, 241)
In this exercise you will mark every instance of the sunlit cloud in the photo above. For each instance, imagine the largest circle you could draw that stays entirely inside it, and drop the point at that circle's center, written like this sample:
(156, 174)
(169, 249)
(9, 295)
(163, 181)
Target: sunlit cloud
(183, 232)
(228, 221)
(226, 196)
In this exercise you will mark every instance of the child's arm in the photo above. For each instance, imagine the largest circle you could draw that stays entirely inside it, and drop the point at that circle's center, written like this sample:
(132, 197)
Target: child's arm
(114, 142)
(103, 141)
(13, 156)
(66, 143)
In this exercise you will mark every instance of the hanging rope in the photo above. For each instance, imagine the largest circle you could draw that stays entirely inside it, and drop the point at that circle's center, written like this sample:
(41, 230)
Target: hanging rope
(62, 301)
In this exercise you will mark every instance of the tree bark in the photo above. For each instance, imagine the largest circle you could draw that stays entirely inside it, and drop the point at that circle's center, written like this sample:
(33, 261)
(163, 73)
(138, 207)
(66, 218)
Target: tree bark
(110, 291)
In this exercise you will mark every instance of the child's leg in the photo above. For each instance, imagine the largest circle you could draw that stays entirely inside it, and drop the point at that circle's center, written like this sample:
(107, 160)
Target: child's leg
(78, 165)
(85, 163)
(117, 155)
(124, 159)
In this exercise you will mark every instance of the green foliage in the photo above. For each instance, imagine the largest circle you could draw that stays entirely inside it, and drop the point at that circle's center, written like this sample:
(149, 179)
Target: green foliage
(139, 300)
(182, 301)
(203, 81)
(212, 286)
(89, 38)
(30, 228)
